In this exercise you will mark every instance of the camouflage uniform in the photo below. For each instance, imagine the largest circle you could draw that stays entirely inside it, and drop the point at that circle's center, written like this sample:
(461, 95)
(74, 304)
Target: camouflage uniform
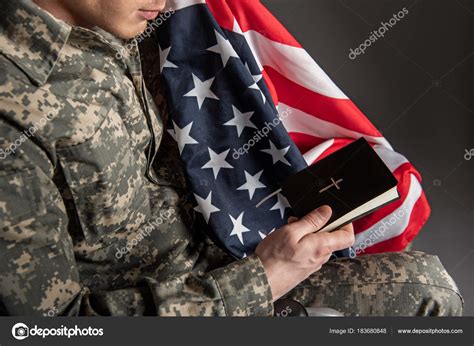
(95, 215)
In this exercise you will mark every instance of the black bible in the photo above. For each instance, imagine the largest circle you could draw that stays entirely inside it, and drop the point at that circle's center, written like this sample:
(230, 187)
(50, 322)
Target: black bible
(353, 181)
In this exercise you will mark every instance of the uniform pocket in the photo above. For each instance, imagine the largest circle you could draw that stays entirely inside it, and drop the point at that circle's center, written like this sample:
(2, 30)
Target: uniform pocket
(106, 180)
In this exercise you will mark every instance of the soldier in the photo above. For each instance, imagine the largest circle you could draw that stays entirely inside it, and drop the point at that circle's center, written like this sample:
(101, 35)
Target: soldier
(95, 214)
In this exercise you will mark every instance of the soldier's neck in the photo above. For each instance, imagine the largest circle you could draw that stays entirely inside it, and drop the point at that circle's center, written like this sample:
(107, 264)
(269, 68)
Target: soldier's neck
(60, 11)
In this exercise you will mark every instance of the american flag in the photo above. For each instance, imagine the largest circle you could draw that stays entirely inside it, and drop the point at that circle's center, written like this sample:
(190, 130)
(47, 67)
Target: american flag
(249, 107)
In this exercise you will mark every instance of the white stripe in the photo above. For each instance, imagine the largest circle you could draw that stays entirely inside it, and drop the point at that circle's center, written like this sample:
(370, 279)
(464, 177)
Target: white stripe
(292, 62)
(391, 158)
(302, 122)
(237, 28)
(316, 152)
(180, 4)
(393, 224)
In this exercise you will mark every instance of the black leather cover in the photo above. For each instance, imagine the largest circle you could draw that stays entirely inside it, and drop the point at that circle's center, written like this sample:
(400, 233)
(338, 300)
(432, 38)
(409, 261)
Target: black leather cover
(344, 180)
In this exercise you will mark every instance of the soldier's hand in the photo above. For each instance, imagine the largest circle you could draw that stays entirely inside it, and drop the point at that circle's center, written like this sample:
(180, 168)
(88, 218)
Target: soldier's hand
(293, 252)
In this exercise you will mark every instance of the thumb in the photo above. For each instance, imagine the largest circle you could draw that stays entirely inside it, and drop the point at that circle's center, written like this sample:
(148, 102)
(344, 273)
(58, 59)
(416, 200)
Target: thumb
(313, 221)
(292, 219)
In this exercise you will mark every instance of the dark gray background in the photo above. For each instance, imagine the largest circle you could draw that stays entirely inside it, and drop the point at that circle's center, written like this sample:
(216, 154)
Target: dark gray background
(416, 86)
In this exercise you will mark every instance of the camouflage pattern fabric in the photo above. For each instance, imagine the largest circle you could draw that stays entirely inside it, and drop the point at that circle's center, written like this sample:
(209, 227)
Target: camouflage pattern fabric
(390, 284)
(92, 219)
(95, 214)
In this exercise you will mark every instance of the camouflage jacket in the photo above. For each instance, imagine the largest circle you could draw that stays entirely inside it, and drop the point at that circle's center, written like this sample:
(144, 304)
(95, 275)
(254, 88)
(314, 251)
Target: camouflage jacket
(95, 216)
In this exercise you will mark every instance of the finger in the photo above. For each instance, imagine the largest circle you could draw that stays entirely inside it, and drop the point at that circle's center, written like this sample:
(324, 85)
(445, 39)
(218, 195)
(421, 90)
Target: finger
(333, 241)
(312, 221)
(349, 227)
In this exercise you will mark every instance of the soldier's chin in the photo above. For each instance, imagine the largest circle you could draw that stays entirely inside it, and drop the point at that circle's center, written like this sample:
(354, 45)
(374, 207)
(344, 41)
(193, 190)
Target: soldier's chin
(128, 31)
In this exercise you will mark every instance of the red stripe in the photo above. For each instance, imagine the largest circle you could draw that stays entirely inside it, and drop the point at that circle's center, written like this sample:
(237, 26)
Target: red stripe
(270, 87)
(305, 142)
(342, 112)
(222, 13)
(251, 15)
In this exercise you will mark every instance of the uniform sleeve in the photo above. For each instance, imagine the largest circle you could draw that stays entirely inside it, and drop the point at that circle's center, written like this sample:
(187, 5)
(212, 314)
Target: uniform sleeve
(238, 289)
(38, 270)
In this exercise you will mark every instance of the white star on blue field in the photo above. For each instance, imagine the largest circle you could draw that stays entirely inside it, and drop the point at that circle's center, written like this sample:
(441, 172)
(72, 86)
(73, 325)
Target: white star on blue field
(219, 104)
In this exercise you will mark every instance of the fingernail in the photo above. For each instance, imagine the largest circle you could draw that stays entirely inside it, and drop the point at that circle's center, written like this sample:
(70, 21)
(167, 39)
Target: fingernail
(324, 211)
(292, 219)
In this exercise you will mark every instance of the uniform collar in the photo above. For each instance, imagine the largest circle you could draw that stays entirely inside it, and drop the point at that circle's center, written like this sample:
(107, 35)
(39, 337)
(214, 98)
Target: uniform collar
(31, 38)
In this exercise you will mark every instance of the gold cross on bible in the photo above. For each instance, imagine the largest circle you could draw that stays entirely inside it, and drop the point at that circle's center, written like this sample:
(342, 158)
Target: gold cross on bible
(334, 183)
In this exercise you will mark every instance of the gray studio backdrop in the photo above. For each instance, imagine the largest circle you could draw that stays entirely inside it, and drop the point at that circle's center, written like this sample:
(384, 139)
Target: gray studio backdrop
(416, 86)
